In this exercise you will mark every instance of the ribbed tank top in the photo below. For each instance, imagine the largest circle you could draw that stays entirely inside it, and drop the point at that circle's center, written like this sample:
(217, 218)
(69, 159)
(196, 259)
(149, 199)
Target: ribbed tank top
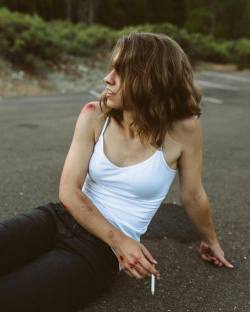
(128, 197)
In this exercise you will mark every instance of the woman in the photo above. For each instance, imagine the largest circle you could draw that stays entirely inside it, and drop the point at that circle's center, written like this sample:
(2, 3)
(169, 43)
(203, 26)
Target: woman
(124, 156)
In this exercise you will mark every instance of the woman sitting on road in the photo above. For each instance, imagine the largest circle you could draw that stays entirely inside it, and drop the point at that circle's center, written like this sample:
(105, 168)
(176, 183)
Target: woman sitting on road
(125, 153)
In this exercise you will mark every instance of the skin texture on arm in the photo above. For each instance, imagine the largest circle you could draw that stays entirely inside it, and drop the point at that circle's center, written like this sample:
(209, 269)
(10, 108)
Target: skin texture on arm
(192, 193)
(132, 255)
(74, 173)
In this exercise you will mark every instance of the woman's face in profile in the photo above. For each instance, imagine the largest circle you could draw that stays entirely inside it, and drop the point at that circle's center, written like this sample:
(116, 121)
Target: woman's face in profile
(113, 92)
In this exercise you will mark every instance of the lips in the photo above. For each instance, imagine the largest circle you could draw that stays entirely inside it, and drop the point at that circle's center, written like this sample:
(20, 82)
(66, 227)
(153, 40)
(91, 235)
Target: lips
(109, 94)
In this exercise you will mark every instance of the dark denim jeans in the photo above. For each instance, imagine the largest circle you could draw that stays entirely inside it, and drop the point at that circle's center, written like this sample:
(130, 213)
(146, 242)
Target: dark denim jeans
(48, 262)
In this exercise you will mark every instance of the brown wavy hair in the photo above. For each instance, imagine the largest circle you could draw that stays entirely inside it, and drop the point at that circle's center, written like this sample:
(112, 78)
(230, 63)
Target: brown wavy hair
(157, 84)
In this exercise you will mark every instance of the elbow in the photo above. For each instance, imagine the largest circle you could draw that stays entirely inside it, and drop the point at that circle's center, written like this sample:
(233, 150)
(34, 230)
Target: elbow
(66, 196)
(63, 194)
(193, 197)
(64, 199)
(69, 196)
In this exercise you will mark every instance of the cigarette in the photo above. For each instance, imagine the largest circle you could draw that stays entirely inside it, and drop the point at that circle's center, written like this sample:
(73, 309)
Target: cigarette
(152, 284)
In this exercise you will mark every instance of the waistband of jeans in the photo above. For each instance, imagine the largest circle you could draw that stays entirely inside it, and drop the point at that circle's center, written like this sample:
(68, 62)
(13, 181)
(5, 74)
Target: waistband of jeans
(79, 231)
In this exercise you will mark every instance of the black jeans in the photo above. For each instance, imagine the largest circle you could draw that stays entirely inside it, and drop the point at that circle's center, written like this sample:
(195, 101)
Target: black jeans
(48, 262)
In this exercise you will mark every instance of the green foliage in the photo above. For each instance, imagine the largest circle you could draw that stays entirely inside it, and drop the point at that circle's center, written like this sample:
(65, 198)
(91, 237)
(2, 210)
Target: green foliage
(197, 46)
(81, 39)
(208, 49)
(241, 52)
(30, 41)
(199, 19)
(87, 39)
(223, 19)
(27, 40)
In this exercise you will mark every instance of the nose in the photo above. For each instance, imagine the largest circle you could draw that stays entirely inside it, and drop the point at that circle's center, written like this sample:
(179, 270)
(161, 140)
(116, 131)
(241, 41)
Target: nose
(109, 78)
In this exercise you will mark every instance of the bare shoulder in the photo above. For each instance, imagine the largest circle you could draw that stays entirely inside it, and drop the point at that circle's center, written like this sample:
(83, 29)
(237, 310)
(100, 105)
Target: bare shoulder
(94, 114)
(190, 124)
(187, 130)
(90, 108)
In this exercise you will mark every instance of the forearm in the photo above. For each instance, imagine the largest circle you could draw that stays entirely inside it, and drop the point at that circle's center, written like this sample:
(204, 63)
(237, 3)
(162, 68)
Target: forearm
(199, 212)
(88, 216)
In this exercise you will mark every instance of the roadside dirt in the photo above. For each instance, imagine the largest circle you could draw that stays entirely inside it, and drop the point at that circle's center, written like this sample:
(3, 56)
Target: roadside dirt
(74, 75)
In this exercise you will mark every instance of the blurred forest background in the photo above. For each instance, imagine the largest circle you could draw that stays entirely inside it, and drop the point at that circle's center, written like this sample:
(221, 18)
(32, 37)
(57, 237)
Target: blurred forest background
(38, 35)
(223, 19)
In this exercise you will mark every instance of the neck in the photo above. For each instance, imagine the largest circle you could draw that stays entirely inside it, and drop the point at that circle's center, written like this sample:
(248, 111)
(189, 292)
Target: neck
(129, 131)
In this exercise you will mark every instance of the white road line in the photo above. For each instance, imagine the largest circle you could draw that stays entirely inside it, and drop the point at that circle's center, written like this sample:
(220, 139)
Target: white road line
(216, 85)
(226, 76)
(94, 93)
(212, 100)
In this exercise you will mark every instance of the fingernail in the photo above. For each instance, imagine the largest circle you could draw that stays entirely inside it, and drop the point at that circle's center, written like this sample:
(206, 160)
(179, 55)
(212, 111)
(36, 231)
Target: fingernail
(155, 261)
(231, 266)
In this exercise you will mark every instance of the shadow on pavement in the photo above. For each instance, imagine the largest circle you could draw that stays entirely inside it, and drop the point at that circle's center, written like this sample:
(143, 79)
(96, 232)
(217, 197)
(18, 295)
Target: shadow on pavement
(171, 221)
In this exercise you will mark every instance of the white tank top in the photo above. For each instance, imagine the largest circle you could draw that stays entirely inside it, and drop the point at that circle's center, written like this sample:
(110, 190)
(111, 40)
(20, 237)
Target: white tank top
(128, 197)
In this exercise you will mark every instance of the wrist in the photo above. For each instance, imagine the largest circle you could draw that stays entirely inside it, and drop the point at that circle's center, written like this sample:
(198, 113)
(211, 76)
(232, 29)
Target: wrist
(115, 237)
(212, 241)
(209, 236)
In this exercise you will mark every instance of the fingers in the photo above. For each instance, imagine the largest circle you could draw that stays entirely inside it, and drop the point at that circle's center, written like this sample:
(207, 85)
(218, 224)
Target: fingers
(149, 268)
(141, 267)
(136, 274)
(142, 270)
(211, 259)
(209, 255)
(147, 262)
(127, 272)
(132, 271)
(135, 269)
(220, 261)
(147, 254)
(225, 262)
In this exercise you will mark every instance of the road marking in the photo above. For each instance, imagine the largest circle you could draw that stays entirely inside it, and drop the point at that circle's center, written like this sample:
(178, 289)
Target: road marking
(94, 93)
(226, 76)
(216, 85)
(212, 100)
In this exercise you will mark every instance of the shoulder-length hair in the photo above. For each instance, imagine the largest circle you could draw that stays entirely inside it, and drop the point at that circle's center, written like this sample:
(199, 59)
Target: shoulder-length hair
(157, 84)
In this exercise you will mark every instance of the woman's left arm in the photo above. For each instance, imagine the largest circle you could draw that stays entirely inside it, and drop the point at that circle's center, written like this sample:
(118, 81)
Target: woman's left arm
(192, 194)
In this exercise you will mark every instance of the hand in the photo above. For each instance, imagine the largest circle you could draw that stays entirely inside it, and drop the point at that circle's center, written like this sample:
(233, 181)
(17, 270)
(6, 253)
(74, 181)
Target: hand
(213, 253)
(135, 259)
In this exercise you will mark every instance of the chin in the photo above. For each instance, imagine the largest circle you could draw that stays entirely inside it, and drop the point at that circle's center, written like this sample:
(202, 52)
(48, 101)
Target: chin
(112, 104)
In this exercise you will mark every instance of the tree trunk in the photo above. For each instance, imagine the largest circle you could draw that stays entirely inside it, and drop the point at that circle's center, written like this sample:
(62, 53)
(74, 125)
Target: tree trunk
(87, 11)
(68, 10)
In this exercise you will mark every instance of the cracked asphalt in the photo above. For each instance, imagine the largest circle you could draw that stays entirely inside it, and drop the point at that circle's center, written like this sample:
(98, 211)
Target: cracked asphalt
(36, 133)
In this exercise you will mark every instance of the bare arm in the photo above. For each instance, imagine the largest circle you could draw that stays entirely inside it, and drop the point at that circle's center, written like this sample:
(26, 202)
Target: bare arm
(192, 193)
(193, 196)
(89, 217)
(73, 175)
(133, 256)
(199, 212)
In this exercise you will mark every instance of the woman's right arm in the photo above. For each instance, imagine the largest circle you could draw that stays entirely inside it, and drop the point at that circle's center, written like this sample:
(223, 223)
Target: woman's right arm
(129, 252)
(74, 173)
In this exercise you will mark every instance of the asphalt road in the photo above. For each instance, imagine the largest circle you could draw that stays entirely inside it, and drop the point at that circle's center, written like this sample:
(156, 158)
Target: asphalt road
(35, 136)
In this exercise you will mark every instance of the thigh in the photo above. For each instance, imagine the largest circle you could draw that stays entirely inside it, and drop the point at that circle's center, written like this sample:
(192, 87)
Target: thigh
(24, 237)
(59, 280)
